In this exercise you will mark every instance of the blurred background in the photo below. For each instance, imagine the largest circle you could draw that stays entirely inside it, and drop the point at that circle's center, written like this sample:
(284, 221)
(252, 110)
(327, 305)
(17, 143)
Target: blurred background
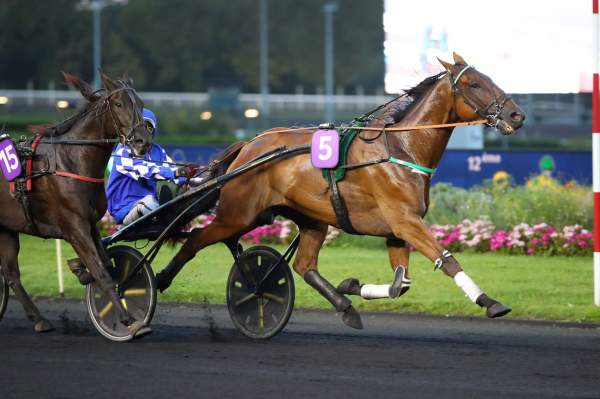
(216, 71)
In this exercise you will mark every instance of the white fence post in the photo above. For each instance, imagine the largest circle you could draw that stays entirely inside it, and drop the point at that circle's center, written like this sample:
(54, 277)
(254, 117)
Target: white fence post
(59, 269)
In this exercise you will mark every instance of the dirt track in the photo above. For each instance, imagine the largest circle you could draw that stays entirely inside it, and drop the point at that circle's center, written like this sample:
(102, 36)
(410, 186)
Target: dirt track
(195, 352)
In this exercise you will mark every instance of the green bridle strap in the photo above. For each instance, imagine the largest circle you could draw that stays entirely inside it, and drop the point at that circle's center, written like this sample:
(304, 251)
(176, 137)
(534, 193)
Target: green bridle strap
(416, 168)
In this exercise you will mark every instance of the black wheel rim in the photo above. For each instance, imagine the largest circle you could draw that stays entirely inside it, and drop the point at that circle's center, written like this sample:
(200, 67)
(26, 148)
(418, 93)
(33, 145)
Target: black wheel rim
(3, 294)
(264, 311)
(139, 297)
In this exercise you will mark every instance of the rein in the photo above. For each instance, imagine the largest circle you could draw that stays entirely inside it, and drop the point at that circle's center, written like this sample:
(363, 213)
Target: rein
(126, 138)
(376, 129)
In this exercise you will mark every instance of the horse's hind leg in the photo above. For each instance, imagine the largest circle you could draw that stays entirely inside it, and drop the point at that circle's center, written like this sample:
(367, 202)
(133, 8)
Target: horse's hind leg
(305, 264)
(9, 251)
(221, 229)
(398, 253)
(414, 230)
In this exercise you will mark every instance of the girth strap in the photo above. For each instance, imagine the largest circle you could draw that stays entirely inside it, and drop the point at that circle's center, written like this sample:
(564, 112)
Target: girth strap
(339, 206)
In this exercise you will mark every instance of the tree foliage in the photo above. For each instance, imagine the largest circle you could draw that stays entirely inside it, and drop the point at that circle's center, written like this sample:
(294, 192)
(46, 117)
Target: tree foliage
(191, 45)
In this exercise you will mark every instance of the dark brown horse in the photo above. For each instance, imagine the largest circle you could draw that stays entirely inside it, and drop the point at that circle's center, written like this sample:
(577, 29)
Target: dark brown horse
(67, 197)
(384, 199)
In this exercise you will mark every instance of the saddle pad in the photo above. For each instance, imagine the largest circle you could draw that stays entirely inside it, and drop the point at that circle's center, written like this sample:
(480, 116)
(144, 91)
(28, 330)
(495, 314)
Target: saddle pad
(346, 138)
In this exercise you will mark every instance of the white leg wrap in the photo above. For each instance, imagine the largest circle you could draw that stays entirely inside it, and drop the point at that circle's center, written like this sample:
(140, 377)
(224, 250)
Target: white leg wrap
(468, 286)
(375, 291)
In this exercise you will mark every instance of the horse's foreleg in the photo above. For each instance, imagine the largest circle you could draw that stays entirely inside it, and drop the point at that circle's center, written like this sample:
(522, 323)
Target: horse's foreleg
(414, 231)
(9, 251)
(305, 264)
(398, 253)
(92, 256)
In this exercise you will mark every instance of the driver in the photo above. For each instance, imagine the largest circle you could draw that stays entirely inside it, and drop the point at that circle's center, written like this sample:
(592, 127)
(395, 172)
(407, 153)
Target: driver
(131, 187)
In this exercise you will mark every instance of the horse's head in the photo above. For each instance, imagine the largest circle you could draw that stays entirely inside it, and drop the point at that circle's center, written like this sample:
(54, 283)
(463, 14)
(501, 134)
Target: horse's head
(124, 108)
(476, 96)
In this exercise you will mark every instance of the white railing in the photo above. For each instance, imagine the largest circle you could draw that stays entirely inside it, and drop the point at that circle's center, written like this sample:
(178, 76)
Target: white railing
(307, 102)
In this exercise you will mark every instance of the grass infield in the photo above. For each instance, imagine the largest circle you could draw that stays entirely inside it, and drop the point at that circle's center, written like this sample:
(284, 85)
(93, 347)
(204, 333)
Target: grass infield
(536, 287)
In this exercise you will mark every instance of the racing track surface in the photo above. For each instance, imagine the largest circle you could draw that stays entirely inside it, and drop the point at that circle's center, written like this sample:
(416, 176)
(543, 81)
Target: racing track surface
(195, 352)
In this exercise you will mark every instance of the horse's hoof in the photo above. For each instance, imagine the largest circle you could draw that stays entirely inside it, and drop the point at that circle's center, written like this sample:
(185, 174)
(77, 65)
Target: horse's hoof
(497, 310)
(85, 278)
(43, 326)
(162, 281)
(138, 329)
(351, 318)
(349, 286)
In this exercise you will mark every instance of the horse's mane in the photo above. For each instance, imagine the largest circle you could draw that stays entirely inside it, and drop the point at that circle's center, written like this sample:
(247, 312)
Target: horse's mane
(397, 109)
(92, 103)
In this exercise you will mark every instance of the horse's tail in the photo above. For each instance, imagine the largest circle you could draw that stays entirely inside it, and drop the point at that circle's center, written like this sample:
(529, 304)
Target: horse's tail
(219, 165)
(216, 168)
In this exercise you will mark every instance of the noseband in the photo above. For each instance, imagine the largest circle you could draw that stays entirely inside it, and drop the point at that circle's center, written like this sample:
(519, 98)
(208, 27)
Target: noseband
(493, 118)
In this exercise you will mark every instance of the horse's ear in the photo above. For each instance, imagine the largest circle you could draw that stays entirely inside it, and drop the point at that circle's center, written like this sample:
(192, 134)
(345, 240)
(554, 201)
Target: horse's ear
(107, 81)
(458, 60)
(128, 79)
(445, 64)
(84, 88)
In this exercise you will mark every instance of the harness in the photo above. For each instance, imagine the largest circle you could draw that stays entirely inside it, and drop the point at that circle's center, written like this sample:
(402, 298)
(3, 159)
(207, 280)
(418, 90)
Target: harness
(21, 186)
(333, 176)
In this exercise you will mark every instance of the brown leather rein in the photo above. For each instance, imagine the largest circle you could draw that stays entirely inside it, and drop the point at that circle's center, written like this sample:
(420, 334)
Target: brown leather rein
(378, 129)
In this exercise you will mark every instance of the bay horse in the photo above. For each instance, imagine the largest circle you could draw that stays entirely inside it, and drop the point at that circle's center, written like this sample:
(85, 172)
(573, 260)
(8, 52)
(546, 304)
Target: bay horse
(387, 199)
(65, 198)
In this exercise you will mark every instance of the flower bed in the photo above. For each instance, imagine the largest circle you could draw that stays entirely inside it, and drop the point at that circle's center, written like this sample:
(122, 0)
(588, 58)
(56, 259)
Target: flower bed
(478, 235)
(539, 239)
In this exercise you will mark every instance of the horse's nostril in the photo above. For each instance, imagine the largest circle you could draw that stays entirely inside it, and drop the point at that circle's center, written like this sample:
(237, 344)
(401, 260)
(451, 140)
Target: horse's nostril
(517, 117)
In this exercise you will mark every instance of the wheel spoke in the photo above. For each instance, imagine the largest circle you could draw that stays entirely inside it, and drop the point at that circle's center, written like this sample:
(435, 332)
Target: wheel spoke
(274, 298)
(126, 266)
(261, 314)
(135, 292)
(105, 310)
(245, 299)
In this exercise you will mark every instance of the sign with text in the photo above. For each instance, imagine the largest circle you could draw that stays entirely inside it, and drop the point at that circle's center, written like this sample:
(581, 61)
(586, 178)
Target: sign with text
(9, 160)
(325, 149)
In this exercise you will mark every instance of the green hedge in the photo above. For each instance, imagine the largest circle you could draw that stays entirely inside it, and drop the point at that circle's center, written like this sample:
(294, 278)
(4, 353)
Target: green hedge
(558, 206)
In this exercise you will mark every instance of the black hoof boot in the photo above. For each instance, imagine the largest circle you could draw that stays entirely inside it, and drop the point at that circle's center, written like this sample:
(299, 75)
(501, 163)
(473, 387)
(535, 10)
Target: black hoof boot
(79, 270)
(493, 308)
(351, 318)
(163, 281)
(349, 286)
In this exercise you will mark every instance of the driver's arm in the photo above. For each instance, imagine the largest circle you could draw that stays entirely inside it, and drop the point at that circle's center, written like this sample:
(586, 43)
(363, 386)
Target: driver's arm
(138, 168)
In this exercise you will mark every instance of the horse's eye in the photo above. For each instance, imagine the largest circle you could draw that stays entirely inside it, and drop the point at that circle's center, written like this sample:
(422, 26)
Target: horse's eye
(475, 85)
(118, 105)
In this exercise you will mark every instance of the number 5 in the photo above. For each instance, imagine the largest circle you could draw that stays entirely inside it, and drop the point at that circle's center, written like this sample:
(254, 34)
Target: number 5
(325, 146)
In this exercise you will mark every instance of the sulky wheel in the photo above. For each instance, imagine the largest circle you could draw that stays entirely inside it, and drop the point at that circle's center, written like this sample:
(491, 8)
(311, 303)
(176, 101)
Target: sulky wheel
(138, 295)
(3, 294)
(260, 312)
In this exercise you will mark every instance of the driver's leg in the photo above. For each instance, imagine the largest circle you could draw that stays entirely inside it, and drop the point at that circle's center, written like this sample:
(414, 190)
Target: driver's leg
(141, 208)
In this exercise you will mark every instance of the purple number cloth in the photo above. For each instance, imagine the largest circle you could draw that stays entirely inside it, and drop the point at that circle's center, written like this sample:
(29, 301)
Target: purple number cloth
(325, 149)
(9, 160)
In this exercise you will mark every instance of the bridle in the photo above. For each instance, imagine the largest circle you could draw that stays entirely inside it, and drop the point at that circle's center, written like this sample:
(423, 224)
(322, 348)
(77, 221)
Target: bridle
(127, 137)
(493, 118)
(124, 138)
(121, 137)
